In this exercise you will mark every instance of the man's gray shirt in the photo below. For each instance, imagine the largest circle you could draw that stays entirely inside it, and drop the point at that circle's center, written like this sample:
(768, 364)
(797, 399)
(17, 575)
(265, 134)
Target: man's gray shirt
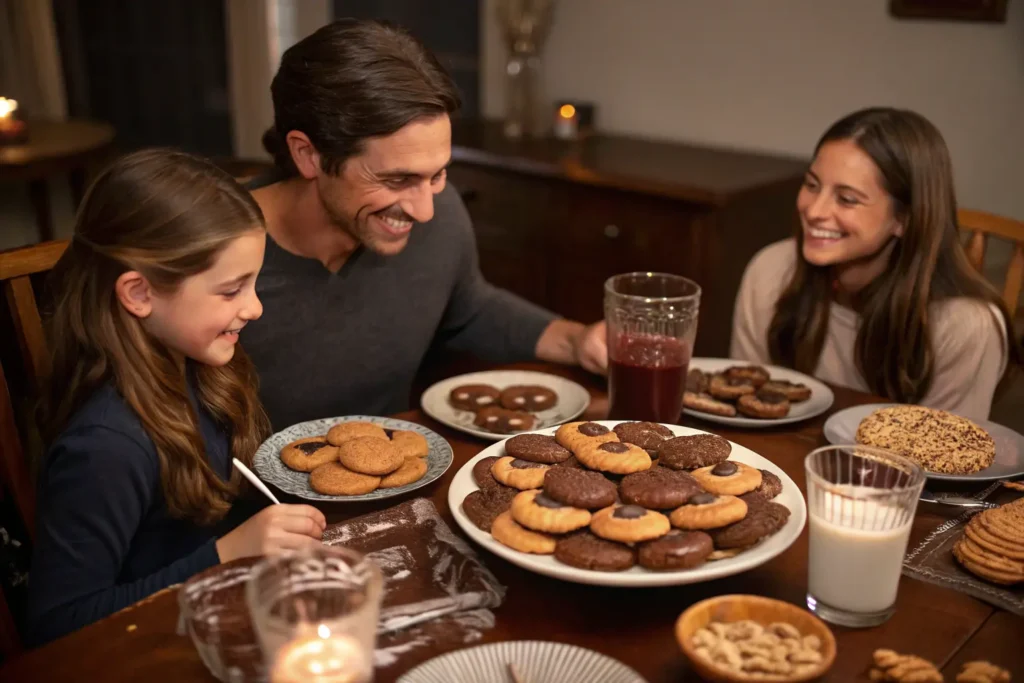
(351, 342)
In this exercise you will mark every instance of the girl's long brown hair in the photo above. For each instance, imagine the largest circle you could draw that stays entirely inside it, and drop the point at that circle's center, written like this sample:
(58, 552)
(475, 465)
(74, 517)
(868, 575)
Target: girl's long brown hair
(167, 215)
(893, 350)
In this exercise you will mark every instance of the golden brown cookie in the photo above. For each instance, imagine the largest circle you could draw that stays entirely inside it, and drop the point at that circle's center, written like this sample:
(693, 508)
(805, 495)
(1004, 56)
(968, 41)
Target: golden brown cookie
(305, 455)
(369, 455)
(706, 403)
(343, 431)
(755, 373)
(615, 457)
(629, 524)
(507, 531)
(728, 478)
(536, 511)
(411, 470)
(334, 479)
(729, 389)
(576, 435)
(987, 565)
(764, 405)
(410, 444)
(519, 474)
(791, 390)
(936, 440)
(708, 511)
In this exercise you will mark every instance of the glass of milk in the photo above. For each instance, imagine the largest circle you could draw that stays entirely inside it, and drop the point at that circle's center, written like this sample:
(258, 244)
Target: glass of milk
(860, 503)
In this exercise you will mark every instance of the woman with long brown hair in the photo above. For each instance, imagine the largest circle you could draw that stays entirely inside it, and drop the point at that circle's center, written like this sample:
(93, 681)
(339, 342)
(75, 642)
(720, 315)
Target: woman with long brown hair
(876, 291)
(150, 399)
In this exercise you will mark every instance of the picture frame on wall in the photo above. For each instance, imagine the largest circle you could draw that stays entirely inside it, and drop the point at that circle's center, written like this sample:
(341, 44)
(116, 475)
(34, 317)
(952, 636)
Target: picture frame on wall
(950, 10)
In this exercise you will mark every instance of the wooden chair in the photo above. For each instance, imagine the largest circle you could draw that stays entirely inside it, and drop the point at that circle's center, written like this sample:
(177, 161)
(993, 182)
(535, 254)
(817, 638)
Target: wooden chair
(17, 267)
(979, 225)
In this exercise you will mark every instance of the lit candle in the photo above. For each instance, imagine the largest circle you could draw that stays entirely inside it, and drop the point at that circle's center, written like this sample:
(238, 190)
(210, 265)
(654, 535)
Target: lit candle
(11, 129)
(322, 658)
(566, 123)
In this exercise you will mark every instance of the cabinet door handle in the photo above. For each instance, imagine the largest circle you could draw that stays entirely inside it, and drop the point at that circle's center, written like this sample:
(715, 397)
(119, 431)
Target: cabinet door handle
(611, 231)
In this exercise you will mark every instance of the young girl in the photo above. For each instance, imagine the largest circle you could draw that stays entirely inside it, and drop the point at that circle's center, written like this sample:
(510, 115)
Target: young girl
(876, 292)
(150, 398)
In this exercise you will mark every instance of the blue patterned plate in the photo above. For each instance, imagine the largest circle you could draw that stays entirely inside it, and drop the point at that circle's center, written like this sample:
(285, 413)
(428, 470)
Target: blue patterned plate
(536, 661)
(267, 461)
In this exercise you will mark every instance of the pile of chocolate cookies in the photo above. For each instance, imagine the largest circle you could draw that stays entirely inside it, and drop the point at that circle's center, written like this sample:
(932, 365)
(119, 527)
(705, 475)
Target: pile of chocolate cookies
(747, 389)
(607, 500)
(355, 458)
(503, 411)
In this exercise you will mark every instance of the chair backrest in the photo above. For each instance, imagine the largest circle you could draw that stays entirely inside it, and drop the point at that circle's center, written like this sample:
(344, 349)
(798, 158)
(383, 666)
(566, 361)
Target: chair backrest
(979, 225)
(17, 266)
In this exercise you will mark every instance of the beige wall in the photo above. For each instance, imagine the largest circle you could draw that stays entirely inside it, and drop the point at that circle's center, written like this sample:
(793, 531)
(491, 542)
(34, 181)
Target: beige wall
(773, 74)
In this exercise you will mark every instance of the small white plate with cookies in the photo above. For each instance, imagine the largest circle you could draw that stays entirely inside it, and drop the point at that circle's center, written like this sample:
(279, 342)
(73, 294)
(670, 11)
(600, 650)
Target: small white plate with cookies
(496, 404)
(606, 523)
(353, 458)
(733, 402)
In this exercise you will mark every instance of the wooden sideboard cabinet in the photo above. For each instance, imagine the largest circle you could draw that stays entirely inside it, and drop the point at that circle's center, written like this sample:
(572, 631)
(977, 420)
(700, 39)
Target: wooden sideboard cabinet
(555, 219)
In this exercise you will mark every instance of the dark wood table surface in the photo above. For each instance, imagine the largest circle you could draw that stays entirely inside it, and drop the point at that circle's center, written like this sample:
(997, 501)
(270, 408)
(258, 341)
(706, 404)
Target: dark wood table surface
(632, 625)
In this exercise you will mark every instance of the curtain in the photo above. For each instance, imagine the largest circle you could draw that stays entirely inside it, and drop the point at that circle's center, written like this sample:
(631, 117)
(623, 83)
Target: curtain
(30, 68)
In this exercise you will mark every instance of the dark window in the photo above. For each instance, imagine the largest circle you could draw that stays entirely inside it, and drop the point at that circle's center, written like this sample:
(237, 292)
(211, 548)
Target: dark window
(157, 71)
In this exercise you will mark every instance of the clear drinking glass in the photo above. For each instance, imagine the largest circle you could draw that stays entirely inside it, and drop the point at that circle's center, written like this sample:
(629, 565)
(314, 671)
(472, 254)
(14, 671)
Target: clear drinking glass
(652, 324)
(860, 503)
(315, 614)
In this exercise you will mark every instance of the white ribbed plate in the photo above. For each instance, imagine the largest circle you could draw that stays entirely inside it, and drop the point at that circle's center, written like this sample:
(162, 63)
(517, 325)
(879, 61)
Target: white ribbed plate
(536, 661)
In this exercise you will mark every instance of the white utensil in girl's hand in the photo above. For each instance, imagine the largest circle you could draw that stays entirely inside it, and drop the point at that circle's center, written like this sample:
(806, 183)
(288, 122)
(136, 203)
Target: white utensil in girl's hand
(254, 480)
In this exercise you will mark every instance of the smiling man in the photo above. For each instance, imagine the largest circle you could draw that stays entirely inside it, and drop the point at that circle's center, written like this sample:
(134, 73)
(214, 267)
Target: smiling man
(371, 259)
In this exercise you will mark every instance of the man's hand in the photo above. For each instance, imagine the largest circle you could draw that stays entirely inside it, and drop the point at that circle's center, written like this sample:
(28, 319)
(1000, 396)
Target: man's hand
(572, 343)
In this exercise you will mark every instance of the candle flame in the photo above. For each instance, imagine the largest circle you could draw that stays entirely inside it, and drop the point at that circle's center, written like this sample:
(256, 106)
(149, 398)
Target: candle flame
(7, 107)
(323, 631)
(567, 111)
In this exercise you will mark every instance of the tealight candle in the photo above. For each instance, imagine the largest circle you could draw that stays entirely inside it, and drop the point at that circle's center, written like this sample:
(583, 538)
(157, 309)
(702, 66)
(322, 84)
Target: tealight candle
(11, 129)
(322, 658)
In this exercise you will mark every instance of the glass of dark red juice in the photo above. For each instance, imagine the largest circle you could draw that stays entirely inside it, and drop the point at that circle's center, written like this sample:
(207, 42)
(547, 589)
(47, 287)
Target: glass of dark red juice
(652, 323)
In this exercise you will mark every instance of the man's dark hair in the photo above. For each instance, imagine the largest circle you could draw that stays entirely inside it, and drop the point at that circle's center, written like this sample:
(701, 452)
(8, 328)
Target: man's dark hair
(350, 81)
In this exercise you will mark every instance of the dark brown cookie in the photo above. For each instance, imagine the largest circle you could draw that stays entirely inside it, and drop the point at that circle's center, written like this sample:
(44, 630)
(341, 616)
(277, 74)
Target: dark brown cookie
(536, 448)
(579, 488)
(658, 488)
(572, 463)
(691, 452)
(482, 473)
(473, 397)
(697, 381)
(675, 550)
(531, 397)
(586, 551)
(501, 421)
(763, 518)
(483, 506)
(646, 435)
(765, 405)
(770, 487)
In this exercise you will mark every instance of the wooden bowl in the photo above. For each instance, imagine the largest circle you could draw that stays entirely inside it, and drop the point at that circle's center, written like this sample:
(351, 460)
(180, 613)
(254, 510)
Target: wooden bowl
(730, 608)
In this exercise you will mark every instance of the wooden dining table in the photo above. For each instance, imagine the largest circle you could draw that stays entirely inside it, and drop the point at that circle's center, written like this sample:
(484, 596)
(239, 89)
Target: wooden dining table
(633, 625)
